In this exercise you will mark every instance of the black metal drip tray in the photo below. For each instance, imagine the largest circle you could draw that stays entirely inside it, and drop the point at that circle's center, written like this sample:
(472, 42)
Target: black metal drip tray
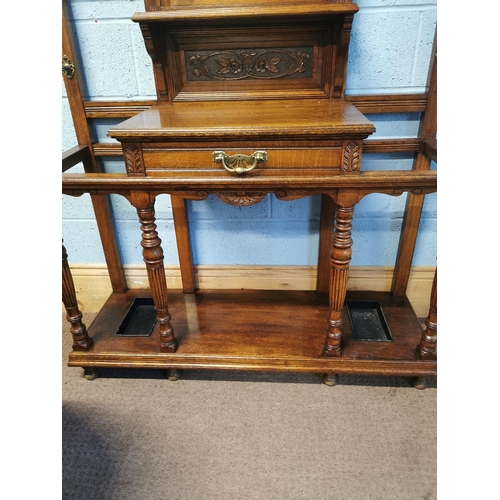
(139, 320)
(368, 321)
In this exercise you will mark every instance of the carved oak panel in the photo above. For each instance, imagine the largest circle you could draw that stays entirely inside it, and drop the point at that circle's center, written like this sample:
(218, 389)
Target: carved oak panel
(256, 63)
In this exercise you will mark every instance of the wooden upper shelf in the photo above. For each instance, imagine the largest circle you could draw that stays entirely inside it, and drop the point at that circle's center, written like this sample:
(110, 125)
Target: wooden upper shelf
(205, 10)
(246, 119)
(231, 13)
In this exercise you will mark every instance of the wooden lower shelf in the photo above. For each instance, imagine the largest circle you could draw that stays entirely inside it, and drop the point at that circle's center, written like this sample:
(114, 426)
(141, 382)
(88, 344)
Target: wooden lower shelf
(256, 330)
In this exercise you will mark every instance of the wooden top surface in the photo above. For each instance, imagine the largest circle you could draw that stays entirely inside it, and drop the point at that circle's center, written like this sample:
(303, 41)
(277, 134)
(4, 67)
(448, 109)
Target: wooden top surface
(204, 10)
(297, 119)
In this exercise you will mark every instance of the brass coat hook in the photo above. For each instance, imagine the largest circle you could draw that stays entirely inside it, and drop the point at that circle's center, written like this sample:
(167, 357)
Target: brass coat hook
(68, 68)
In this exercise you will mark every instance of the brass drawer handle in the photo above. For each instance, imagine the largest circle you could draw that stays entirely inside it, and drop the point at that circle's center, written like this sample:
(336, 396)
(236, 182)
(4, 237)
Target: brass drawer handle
(239, 164)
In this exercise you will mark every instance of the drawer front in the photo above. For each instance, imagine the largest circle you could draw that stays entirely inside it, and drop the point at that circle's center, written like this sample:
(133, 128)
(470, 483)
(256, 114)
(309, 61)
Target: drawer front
(308, 161)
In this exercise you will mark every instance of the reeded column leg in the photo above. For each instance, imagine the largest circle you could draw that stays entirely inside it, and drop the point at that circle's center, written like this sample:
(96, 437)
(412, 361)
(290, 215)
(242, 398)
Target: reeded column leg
(153, 257)
(427, 349)
(340, 257)
(81, 339)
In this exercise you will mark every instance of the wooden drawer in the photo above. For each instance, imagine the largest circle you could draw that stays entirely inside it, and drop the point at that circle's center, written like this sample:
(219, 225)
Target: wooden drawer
(279, 161)
(309, 138)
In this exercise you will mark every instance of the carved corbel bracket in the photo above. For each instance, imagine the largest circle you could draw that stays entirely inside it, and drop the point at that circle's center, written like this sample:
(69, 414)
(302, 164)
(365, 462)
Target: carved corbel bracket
(134, 161)
(191, 195)
(152, 40)
(284, 195)
(395, 191)
(351, 156)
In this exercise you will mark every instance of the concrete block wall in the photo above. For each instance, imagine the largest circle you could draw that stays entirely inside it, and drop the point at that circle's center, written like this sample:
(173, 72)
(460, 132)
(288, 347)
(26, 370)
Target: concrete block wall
(390, 51)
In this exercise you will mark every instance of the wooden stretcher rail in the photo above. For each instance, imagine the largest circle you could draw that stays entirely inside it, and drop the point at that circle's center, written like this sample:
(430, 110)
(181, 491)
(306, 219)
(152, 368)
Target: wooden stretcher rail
(74, 156)
(385, 103)
(414, 181)
(389, 103)
(429, 149)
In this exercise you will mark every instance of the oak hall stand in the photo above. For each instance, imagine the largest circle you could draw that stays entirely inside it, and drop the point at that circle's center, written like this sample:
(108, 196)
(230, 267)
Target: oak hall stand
(251, 101)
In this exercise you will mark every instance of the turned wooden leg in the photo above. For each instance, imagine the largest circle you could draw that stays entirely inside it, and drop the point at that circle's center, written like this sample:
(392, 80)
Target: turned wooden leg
(153, 257)
(340, 257)
(427, 349)
(81, 339)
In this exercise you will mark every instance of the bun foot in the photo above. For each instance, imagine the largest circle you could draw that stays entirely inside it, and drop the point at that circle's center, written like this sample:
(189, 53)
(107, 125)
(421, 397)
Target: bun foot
(419, 382)
(172, 374)
(330, 379)
(90, 373)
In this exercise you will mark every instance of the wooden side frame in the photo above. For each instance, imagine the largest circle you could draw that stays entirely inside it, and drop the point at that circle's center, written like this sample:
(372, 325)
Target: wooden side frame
(427, 152)
(101, 204)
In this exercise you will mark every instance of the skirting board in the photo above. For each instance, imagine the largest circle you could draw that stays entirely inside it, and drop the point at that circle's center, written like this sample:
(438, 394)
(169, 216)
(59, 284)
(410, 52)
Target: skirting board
(93, 286)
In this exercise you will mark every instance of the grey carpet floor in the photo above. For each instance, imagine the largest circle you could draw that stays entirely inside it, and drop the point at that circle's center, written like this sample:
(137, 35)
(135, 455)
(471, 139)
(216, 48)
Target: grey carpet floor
(132, 434)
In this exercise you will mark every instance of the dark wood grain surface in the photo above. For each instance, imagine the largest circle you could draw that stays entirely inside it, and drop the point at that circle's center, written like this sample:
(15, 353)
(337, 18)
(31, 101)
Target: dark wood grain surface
(308, 118)
(257, 330)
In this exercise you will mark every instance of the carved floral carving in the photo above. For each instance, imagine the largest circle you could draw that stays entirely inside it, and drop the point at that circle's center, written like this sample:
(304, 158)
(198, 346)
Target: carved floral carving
(237, 65)
(241, 198)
